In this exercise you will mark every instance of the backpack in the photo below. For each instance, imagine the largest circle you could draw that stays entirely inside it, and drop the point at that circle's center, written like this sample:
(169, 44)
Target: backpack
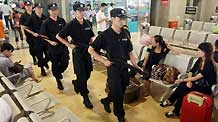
(145, 40)
(171, 75)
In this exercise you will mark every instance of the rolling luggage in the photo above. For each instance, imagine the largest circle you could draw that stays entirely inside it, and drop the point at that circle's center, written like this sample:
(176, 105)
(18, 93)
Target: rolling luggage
(196, 107)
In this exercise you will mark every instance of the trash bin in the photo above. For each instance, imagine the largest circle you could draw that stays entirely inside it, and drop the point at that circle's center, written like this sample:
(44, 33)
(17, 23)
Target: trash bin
(173, 24)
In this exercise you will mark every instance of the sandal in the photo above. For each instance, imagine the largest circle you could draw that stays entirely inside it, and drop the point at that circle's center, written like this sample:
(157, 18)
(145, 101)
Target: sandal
(171, 114)
(166, 103)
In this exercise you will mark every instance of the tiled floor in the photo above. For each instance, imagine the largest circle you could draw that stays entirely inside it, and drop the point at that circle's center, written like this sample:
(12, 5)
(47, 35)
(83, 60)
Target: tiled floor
(143, 110)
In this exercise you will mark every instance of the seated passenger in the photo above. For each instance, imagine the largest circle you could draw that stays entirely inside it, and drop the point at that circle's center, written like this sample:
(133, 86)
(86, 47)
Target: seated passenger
(156, 52)
(200, 78)
(216, 51)
(8, 68)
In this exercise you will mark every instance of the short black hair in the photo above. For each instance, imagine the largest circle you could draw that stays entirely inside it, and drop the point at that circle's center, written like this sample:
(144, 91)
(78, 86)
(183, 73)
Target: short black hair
(111, 4)
(216, 44)
(7, 46)
(103, 4)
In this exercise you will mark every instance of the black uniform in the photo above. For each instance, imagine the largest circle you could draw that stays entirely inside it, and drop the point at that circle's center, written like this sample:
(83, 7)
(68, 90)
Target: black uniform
(118, 47)
(81, 35)
(40, 46)
(24, 20)
(59, 54)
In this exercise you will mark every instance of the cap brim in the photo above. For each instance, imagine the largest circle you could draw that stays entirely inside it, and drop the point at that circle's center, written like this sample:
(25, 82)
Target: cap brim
(81, 9)
(123, 16)
(38, 7)
(53, 8)
(28, 4)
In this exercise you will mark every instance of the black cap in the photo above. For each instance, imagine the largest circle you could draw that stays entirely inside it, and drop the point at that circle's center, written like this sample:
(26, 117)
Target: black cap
(103, 4)
(52, 6)
(27, 3)
(118, 12)
(38, 5)
(78, 6)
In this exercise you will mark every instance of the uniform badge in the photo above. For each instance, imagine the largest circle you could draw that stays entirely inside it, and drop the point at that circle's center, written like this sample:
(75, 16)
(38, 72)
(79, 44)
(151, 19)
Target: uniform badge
(87, 28)
(125, 39)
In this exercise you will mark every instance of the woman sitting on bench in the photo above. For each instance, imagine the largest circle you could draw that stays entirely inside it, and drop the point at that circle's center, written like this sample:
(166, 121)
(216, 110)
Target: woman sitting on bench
(200, 78)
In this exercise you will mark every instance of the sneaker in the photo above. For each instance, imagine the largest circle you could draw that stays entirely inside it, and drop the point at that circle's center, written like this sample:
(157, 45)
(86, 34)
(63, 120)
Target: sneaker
(171, 114)
(75, 87)
(87, 102)
(106, 105)
(166, 103)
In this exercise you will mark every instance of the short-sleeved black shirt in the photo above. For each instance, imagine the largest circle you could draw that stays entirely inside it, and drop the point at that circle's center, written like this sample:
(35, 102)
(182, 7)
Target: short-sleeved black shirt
(51, 28)
(35, 22)
(117, 46)
(154, 58)
(80, 34)
(208, 72)
(24, 20)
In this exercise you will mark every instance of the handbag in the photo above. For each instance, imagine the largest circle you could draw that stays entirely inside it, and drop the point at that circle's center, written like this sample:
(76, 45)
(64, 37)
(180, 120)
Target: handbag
(202, 82)
(171, 75)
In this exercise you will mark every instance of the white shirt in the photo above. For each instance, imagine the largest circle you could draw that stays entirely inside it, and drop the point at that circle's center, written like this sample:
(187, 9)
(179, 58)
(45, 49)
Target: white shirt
(103, 25)
(109, 9)
(89, 15)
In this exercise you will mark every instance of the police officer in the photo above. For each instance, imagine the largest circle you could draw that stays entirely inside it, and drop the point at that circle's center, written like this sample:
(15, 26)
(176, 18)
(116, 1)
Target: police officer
(27, 36)
(59, 53)
(116, 42)
(81, 33)
(40, 46)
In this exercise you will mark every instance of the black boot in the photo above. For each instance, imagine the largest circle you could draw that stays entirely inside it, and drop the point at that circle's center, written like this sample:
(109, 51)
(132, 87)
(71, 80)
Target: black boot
(87, 102)
(75, 86)
(121, 119)
(34, 60)
(46, 66)
(106, 104)
(60, 85)
(43, 73)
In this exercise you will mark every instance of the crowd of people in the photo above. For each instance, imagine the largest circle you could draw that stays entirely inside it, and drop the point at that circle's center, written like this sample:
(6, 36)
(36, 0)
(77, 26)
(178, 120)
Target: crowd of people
(47, 38)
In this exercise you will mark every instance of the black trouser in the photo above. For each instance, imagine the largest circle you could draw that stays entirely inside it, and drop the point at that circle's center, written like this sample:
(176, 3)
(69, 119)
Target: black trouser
(117, 80)
(31, 42)
(82, 64)
(6, 22)
(17, 33)
(60, 59)
(183, 90)
(41, 49)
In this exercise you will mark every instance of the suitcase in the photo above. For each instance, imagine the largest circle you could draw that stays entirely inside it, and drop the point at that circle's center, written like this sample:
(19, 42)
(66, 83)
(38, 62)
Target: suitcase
(196, 107)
